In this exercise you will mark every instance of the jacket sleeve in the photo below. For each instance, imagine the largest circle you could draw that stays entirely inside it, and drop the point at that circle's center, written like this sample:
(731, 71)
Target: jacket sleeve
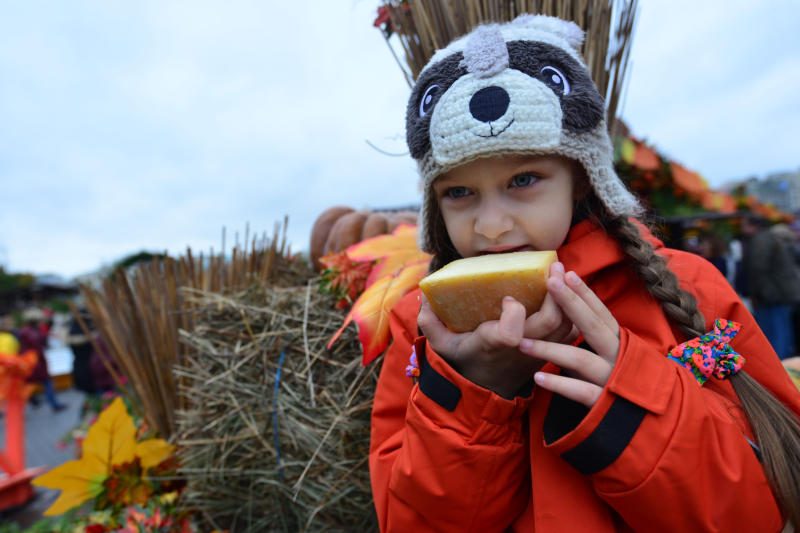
(445, 454)
(659, 441)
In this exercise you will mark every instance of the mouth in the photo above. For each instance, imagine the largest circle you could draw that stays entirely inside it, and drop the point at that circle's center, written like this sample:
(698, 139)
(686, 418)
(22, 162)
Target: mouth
(492, 133)
(505, 249)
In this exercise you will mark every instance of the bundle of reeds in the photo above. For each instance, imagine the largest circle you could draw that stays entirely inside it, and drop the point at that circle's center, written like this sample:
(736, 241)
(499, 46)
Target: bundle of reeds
(420, 27)
(226, 357)
(139, 313)
(275, 429)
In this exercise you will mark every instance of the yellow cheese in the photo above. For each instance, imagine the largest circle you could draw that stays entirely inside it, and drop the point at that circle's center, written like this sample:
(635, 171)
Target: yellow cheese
(468, 292)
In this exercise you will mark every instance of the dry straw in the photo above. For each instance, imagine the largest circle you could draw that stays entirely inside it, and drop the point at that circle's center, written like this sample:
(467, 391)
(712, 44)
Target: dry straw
(420, 27)
(139, 314)
(275, 432)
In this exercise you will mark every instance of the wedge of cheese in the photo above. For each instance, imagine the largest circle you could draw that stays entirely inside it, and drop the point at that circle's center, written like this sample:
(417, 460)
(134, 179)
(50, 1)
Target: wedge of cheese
(468, 292)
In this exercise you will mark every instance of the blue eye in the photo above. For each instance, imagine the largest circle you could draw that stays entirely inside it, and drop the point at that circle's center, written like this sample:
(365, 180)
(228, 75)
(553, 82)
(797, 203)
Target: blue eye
(523, 180)
(457, 192)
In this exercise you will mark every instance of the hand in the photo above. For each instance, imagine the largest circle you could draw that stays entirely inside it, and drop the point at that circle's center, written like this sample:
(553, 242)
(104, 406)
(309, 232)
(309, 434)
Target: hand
(490, 355)
(550, 323)
(586, 372)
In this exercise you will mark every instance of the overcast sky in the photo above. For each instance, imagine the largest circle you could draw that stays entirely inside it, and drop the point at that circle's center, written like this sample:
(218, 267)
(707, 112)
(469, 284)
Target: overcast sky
(152, 124)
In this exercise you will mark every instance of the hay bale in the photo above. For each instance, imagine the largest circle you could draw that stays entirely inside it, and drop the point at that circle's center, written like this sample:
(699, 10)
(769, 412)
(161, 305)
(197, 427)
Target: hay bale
(275, 434)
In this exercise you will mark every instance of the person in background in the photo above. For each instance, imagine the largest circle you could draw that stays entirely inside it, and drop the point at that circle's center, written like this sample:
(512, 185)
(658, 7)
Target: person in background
(99, 363)
(772, 281)
(81, 346)
(714, 248)
(31, 338)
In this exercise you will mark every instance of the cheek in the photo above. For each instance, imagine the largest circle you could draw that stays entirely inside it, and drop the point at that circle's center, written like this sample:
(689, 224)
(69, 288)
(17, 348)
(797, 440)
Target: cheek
(458, 228)
(551, 221)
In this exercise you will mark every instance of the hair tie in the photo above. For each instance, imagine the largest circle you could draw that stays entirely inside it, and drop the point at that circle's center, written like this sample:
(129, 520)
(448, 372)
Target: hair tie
(412, 370)
(710, 354)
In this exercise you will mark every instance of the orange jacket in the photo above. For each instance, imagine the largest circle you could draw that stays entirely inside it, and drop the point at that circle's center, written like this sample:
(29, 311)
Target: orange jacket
(657, 452)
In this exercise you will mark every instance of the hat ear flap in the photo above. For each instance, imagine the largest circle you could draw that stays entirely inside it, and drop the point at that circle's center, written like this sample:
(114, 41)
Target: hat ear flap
(567, 30)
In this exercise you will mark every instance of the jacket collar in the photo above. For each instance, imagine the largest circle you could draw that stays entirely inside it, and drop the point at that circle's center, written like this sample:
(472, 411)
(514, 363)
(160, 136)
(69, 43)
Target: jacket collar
(589, 249)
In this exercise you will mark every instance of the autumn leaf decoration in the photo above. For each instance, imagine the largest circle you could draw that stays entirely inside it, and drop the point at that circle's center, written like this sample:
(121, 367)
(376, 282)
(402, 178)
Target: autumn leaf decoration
(397, 267)
(109, 445)
(343, 278)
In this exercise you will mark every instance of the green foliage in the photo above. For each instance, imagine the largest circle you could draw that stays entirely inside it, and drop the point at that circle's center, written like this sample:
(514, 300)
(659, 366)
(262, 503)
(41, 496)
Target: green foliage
(12, 282)
(58, 305)
(136, 258)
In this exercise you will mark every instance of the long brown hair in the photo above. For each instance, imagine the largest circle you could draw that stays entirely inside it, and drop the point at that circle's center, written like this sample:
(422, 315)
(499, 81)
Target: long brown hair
(776, 429)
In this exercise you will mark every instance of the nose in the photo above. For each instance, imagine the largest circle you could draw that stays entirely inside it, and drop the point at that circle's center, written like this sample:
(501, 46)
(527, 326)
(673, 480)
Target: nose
(490, 103)
(491, 220)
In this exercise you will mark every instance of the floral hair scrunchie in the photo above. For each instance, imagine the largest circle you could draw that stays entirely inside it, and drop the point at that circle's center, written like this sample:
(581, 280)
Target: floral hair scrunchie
(710, 354)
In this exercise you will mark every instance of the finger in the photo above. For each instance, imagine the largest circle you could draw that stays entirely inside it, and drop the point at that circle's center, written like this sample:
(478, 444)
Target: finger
(545, 321)
(549, 322)
(590, 324)
(441, 339)
(582, 362)
(562, 332)
(572, 336)
(508, 331)
(574, 389)
(595, 304)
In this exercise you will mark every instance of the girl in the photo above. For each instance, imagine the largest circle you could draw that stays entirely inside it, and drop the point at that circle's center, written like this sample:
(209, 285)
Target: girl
(596, 412)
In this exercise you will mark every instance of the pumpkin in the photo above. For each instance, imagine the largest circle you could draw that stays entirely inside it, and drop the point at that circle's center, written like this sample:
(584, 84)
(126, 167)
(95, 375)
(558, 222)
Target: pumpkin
(402, 217)
(321, 230)
(339, 227)
(376, 224)
(345, 231)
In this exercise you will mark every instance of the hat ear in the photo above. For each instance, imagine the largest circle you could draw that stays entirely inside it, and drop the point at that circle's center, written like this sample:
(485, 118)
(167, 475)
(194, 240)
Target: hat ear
(567, 30)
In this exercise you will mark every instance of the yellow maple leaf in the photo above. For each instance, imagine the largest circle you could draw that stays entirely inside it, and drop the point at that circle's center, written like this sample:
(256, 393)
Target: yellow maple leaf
(110, 441)
(371, 311)
(393, 252)
(152, 452)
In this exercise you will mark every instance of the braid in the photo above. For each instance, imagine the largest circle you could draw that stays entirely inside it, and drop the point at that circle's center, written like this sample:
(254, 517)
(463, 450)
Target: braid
(679, 305)
(775, 427)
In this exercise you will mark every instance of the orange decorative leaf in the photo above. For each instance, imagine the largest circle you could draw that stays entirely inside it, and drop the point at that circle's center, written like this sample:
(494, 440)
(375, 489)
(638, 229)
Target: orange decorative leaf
(392, 252)
(371, 311)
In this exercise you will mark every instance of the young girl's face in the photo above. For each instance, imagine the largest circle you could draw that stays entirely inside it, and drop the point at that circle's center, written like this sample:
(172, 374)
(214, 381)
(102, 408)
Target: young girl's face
(507, 203)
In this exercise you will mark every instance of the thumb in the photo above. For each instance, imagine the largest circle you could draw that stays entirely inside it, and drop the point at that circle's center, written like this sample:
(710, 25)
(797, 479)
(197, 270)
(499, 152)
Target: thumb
(440, 338)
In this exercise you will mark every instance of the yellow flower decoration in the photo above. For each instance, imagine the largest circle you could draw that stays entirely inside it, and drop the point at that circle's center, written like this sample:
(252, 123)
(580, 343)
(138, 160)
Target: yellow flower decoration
(110, 441)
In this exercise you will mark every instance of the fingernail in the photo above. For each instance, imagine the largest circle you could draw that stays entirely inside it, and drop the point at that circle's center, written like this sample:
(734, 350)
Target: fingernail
(508, 299)
(526, 345)
(539, 378)
(572, 278)
(558, 266)
(557, 283)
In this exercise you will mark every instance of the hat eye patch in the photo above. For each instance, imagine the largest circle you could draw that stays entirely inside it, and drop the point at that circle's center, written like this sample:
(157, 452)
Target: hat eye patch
(428, 99)
(555, 79)
(424, 97)
(582, 105)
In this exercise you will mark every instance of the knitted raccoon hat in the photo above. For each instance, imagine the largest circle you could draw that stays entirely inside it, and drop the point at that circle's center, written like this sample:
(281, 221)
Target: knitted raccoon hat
(514, 88)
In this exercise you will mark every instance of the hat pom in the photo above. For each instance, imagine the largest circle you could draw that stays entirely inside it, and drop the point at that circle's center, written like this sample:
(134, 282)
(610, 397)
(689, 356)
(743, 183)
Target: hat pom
(567, 30)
